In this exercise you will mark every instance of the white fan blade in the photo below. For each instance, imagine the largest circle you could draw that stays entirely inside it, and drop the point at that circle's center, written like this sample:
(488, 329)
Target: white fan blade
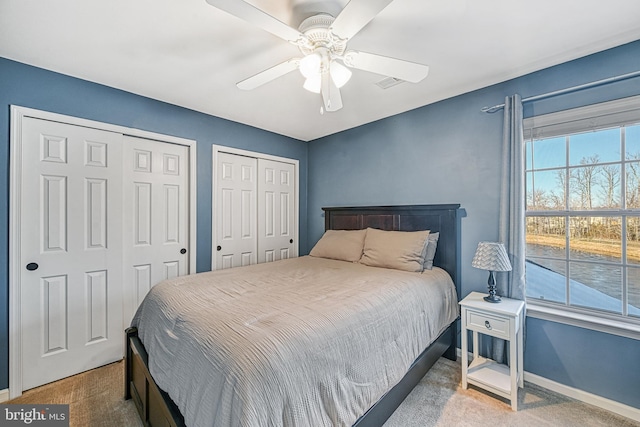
(257, 17)
(392, 67)
(355, 15)
(269, 74)
(330, 94)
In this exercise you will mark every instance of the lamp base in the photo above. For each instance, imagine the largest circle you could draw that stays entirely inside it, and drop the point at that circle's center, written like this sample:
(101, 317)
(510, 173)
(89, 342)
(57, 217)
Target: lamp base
(492, 298)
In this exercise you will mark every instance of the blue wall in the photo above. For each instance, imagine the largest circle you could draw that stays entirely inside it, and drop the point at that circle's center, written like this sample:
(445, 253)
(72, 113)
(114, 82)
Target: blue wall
(449, 152)
(44, 90)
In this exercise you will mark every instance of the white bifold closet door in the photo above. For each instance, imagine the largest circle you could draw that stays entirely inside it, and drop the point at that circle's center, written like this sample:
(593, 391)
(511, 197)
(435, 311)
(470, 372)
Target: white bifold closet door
(254, 210)
(71, 250)
(156, 220)
(236, 210)
(104, 217)
(275, 210)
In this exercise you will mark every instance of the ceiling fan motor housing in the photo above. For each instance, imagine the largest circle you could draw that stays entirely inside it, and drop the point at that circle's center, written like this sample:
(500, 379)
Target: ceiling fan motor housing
(316, 29)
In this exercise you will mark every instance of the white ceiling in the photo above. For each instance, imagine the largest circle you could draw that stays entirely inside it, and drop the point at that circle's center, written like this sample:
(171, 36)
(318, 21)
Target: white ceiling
(188, 53)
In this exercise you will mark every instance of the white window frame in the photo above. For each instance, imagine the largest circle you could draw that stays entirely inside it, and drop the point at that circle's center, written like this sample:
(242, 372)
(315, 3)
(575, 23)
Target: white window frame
(592, 117)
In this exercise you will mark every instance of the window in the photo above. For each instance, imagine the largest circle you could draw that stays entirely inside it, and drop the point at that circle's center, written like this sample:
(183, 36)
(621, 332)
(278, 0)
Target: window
(583, 210)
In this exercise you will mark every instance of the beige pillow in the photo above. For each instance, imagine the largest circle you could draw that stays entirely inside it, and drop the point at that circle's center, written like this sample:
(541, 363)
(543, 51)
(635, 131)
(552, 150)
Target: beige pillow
(401, 250)
(344, 245)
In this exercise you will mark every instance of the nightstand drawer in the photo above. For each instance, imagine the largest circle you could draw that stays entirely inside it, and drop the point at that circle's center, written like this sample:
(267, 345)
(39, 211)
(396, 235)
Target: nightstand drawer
(490, 325)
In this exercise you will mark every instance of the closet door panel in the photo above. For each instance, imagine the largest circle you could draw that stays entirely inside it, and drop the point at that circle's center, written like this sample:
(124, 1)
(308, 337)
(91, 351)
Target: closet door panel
(156, 220)
(276, 205)
(235, 211)
(71, 250)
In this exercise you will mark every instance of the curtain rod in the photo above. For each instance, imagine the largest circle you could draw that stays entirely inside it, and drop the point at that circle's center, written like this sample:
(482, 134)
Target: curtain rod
(567, 90)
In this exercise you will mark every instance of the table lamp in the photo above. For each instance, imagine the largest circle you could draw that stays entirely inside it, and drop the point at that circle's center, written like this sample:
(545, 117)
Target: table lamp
(491, 256)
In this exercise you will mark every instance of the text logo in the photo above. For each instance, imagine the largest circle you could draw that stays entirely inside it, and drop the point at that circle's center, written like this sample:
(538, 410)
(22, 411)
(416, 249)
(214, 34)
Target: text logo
(34, 415)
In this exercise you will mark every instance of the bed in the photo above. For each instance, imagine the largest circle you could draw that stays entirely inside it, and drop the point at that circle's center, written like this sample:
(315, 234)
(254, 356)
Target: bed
(156, 407)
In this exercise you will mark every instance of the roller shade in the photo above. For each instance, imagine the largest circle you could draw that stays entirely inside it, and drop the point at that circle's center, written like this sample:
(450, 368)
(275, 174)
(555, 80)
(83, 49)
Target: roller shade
(620, 112)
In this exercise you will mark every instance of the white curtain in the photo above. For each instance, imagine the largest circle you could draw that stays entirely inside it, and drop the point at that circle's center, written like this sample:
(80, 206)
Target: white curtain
(511, 230)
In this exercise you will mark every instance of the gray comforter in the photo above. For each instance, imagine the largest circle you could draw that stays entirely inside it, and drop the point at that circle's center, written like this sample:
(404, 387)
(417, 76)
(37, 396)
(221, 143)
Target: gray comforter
(299, 342)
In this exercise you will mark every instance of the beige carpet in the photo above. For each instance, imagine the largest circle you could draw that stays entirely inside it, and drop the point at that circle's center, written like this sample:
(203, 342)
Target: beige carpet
(95, 399)
(439, 400)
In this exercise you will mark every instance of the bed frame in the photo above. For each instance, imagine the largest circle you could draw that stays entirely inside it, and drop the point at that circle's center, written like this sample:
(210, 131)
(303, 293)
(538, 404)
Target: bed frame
(156, 408)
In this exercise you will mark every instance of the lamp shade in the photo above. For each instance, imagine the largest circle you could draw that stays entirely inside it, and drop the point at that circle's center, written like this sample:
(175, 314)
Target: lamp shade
(310, 65)
(339, 73)
(313, 84)
(491, 256)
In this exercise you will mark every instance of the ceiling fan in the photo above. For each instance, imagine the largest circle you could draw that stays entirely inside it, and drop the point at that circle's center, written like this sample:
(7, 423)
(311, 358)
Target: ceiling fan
(322, 39)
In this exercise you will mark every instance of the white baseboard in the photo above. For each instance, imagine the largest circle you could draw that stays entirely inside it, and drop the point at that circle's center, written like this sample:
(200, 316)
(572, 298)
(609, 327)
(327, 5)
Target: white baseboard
(4, 395)
(584, 396)
(580, 395)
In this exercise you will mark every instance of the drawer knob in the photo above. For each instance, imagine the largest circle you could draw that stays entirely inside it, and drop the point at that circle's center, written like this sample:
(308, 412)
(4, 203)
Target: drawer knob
(487, 324)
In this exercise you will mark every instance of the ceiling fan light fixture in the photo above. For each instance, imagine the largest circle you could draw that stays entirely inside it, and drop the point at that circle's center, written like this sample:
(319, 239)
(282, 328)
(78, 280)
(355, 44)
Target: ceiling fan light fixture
(322, 39)
(313, 84)
(339, 73)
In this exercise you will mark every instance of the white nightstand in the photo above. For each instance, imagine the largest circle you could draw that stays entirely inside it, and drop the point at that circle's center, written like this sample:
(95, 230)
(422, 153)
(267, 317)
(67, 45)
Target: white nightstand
(502, 320)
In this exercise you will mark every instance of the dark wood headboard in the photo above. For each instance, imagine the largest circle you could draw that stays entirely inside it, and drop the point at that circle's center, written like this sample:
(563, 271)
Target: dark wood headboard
(436, 218)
